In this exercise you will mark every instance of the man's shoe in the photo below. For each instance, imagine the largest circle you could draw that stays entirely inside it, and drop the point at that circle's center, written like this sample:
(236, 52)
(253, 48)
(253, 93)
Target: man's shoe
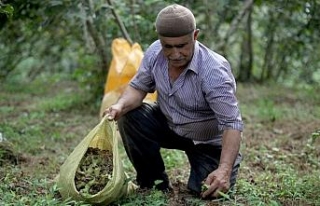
(164, 186)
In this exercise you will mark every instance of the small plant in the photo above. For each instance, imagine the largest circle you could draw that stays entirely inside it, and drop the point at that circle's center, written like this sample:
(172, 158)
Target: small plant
(315, 136)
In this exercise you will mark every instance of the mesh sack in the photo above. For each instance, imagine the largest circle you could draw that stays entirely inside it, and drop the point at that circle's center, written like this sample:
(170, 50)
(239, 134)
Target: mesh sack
(102, 137)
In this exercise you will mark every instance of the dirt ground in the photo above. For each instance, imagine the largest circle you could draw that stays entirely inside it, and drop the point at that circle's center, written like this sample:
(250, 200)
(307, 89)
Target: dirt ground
(284, 135)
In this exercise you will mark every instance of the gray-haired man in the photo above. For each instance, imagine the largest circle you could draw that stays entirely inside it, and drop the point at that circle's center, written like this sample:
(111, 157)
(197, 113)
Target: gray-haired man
(196, 109)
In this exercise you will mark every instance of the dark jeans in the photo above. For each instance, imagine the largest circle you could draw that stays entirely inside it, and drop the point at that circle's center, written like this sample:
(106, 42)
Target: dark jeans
(144, 131)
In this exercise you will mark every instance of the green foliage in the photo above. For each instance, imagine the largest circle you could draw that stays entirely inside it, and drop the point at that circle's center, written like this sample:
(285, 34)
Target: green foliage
(281, 182)
(279, 39)
(15, 189)
(45, 44)
(266, 109)
(173, 158)
(54, 37)
(6, 9)
(315, 136)
(275, 102)
(44, 120)
(153, 198)
(40, 107)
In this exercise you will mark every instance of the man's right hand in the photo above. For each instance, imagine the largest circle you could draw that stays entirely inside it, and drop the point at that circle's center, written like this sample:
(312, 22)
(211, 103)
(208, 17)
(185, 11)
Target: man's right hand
(130, 99)
(113, 112)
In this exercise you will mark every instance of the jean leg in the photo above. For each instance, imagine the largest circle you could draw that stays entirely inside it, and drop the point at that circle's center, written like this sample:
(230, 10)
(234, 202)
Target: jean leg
(141, 130)
(204, 159)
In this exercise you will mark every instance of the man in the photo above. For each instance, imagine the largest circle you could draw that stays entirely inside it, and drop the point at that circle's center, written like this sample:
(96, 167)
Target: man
(196, 109)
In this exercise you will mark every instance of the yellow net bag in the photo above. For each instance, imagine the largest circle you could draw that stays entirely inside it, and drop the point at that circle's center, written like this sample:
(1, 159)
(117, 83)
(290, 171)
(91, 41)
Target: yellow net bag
(102, 138)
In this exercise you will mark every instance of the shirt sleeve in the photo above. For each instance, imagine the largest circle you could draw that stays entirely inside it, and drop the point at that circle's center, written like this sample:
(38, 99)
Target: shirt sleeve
(220, 92)
(143, 79)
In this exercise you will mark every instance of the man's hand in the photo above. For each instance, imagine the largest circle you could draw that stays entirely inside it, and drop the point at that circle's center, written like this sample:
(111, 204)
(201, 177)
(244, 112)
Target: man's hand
(216, 182)
(219, 180)
(130, 99)
(113, 112)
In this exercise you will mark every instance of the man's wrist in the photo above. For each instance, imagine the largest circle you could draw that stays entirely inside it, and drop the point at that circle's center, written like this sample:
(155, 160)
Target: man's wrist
(226, 167)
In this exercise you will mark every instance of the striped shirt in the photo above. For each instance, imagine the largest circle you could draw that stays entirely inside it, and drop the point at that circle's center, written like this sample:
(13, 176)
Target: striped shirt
(201, 103)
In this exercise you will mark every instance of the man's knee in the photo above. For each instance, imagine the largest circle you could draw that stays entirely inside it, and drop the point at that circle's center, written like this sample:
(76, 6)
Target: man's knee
(135, 115)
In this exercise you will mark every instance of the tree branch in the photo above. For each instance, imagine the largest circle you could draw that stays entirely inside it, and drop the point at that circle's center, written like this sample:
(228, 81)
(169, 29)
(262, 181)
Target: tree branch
(97, 38)
(120, 23)
(235, 24)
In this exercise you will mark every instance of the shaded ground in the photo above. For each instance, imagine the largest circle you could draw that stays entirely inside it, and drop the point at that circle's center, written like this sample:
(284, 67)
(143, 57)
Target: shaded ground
(278, 128)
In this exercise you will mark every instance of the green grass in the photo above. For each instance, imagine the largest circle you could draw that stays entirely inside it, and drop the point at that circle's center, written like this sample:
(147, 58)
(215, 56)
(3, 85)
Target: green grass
(44, 120)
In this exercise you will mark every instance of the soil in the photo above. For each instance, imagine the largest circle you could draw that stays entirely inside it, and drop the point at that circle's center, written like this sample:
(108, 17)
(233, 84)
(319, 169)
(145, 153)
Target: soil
(9, 157)
(287, 136)
(94, 171)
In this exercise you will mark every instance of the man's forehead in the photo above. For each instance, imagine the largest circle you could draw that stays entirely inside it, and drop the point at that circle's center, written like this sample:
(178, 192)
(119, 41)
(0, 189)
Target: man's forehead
(175, 41)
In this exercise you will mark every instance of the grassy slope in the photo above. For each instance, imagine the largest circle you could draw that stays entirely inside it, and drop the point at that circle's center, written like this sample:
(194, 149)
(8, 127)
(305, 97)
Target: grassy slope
(44, 120)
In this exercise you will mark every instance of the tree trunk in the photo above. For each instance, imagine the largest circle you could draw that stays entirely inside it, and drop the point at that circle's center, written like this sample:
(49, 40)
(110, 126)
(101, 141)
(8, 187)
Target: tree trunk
(246, 57)
(234, 25)
(268, 60)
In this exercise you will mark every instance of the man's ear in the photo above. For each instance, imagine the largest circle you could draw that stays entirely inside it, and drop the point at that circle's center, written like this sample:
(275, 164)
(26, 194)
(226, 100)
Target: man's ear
(195, 35)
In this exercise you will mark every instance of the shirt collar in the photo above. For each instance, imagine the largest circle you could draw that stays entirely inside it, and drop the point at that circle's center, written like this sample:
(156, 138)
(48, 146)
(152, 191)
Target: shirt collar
(193, 64)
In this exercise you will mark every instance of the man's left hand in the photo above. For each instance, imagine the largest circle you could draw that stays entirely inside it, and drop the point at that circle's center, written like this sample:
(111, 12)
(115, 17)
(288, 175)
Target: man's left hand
(217, 181)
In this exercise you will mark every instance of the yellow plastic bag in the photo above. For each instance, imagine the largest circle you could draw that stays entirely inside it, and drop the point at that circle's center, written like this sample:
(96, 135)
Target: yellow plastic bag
(103, 137)
(125, 63)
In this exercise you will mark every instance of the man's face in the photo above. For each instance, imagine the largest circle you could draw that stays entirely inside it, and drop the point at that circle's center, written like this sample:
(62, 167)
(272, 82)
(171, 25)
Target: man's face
(179, 50)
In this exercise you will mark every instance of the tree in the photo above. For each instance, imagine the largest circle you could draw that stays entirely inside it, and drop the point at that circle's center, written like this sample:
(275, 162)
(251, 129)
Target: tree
(263, 40)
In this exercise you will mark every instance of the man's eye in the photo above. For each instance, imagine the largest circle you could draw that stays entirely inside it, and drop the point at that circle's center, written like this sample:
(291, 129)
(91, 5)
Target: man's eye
(168, 46)
(180, 45)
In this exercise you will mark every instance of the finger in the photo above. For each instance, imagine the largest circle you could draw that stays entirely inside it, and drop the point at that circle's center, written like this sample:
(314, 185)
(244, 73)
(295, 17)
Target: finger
(110, 117)
(108, 113)
(206, 186)
(105, 112)
(209, 180)
(216, 193)
(212, 188)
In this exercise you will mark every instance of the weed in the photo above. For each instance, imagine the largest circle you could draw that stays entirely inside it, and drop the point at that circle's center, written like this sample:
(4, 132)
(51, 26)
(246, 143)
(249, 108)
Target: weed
(43, 121)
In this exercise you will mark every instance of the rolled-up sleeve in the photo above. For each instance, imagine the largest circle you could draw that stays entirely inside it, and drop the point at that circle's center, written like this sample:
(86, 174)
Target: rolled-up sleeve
(220, 92)
(143, 79)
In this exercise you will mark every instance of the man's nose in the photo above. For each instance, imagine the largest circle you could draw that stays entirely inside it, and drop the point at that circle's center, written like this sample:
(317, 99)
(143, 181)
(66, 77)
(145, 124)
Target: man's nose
(175, 53)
